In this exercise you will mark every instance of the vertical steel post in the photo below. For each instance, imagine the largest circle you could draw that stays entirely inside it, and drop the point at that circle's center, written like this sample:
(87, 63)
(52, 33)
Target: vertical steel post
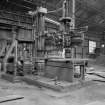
(16, 44)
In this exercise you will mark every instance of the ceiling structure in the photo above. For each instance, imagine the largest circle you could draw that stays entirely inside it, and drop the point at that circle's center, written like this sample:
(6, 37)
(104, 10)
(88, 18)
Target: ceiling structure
(89, 13)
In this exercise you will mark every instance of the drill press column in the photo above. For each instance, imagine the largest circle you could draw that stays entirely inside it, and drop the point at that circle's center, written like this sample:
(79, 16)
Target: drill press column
(40, 27)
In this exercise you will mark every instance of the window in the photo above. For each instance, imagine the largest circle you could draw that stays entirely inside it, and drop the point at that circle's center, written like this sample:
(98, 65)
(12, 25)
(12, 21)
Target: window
(92, 46)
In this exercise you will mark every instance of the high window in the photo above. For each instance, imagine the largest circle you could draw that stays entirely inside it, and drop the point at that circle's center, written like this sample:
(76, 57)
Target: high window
(92, 46)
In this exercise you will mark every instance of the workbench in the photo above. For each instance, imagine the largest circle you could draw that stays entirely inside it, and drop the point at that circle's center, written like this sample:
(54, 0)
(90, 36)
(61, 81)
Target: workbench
(64, 69)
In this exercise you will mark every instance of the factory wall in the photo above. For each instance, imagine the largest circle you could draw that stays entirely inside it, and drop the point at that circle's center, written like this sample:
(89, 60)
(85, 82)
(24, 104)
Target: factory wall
(24, 34)
(5, 34)
(84, 51)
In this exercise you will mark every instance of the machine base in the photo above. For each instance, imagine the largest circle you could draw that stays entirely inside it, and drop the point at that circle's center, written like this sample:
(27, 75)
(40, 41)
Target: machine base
(60, 86)
(11, 78)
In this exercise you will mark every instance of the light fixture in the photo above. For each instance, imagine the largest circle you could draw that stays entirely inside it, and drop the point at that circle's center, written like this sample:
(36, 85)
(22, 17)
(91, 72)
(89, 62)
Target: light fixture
(102, 45)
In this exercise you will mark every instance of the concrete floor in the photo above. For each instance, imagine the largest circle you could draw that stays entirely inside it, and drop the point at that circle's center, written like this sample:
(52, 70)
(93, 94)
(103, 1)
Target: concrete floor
(94, 93)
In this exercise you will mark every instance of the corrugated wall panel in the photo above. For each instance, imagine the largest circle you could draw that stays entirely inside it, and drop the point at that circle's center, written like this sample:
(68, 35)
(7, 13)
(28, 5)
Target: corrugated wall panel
(5, 34)
(25, 35)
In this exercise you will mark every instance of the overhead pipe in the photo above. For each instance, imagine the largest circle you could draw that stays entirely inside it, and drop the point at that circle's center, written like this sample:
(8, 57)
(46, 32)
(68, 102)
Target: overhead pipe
(52, 21)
